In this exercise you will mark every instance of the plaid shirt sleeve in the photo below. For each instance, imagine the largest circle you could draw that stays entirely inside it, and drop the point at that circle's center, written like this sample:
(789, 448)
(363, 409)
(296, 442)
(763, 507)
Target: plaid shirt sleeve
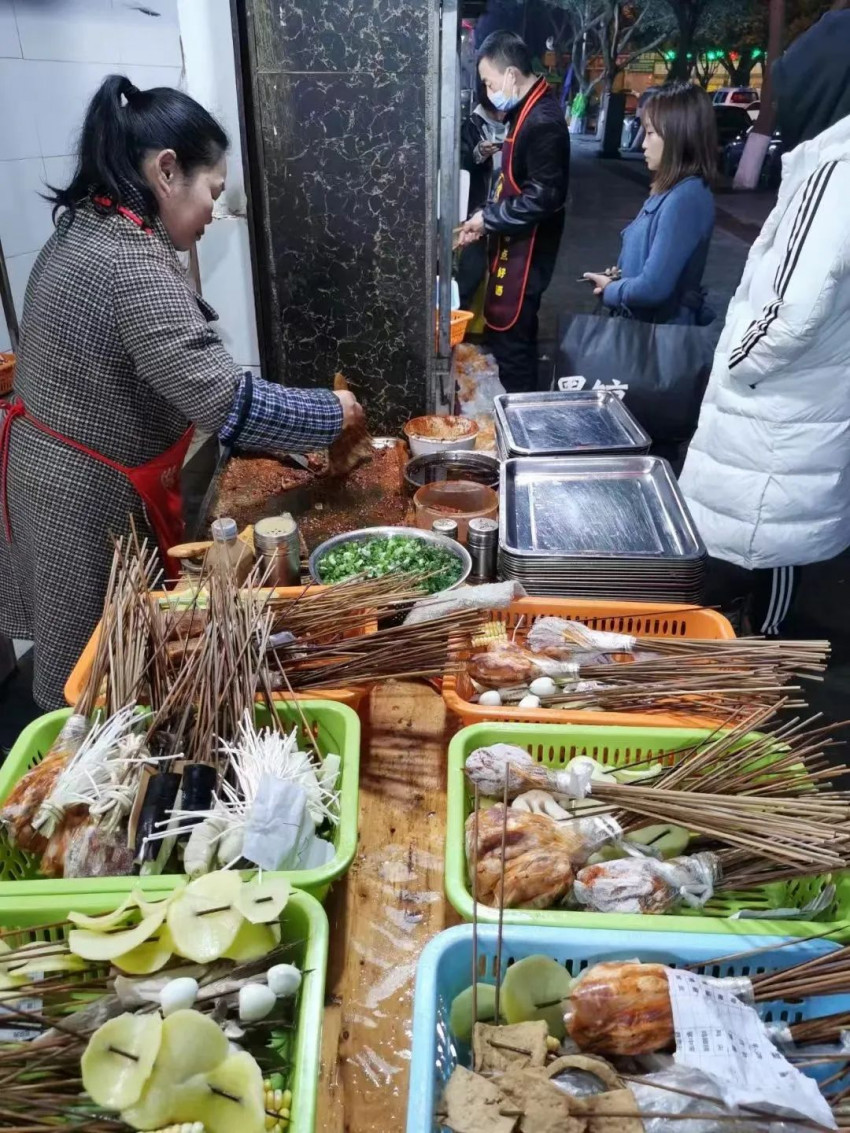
(270, 418)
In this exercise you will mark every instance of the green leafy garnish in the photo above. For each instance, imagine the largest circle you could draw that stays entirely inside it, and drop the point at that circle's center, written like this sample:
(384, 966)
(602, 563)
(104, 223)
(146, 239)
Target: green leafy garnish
(390, 555)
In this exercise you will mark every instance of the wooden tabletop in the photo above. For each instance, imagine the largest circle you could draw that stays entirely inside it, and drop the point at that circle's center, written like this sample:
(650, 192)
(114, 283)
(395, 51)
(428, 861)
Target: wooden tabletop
(385, 910)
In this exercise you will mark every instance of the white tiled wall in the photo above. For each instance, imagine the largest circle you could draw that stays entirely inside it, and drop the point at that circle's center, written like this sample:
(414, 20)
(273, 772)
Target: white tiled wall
(53, 56)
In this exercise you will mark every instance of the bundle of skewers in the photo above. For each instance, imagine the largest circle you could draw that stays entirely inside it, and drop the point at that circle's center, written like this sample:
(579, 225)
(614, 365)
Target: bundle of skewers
(176, 758)
(127, 1019)
(560, 664)
(737, 810)
(555, 1045)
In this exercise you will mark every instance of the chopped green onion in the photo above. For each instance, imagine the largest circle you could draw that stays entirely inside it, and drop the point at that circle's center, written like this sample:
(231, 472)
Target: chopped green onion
(390, 555)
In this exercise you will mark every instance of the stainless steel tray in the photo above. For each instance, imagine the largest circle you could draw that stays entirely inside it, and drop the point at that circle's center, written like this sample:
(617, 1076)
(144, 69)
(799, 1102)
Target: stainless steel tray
(560, 424)
(594, 507)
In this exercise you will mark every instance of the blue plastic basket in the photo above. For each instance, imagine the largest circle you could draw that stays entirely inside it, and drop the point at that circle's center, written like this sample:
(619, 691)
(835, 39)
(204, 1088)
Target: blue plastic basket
(445, 969)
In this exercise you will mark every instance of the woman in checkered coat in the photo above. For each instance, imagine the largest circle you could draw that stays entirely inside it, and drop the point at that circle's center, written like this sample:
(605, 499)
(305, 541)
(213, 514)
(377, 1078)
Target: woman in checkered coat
(117, 362)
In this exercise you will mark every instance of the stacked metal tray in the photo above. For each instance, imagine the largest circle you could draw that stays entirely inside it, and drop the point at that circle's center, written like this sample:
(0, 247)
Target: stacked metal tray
(586, 423)
(599, 527)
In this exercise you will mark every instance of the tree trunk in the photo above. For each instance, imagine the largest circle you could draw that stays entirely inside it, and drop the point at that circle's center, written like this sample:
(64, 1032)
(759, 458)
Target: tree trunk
(752, 159)
(682, 66)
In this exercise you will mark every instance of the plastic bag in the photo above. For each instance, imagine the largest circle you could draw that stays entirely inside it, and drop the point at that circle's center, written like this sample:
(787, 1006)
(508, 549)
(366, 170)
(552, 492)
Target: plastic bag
(595, 830)
(647, 885)
(507, 663)
(476, 377)
(490, 596)
(621, 1008)
(488, 767)
(559, 638)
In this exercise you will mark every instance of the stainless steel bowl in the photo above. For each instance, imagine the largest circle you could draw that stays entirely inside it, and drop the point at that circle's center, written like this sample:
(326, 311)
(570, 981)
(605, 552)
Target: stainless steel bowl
(366, 533)
(434, 468)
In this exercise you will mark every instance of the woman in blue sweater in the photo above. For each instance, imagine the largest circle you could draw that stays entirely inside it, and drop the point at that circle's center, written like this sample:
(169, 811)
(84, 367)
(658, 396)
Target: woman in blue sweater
(658, 278)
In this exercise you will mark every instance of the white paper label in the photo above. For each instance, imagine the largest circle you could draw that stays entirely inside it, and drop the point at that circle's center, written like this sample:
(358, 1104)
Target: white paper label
(16, 1032)
(725, 1038)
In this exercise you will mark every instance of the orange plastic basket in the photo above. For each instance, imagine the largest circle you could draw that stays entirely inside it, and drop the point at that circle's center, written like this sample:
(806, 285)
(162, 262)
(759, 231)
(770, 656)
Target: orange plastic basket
(352, 696)
(458, 326)
(7, 373)
(460, 321)
(636, 618)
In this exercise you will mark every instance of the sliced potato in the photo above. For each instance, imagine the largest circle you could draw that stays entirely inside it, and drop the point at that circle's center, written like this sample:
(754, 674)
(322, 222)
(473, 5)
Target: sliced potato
(192, 1044)
(227, 1099)
(44, 965)
(643, 773)
(148, 957)
(107, 945)
(147, 907)
(461, 1014)
(536, 988)
(10, 980)
(107, 921)
(119, 1059)
(262, 902)
(203, 918)
(253, 941)
(665, 839)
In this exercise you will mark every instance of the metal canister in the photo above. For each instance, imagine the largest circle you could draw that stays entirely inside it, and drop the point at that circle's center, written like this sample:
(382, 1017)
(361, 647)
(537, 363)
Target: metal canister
(447, 527)
(278, 550)
(482, 542)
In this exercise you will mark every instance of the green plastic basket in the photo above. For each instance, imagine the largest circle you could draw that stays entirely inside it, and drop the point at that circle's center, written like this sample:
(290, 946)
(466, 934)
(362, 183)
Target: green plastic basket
(302, 923)
(336, 729)
(555, 745)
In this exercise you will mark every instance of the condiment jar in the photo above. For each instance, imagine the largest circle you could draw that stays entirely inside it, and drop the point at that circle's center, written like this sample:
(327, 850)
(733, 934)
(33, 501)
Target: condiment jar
(482, 542)
(228, 552)
(447, 527)
(278, 550)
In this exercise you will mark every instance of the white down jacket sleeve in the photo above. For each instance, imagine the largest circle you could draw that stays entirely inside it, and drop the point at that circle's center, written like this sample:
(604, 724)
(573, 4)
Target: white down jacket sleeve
(816, 255)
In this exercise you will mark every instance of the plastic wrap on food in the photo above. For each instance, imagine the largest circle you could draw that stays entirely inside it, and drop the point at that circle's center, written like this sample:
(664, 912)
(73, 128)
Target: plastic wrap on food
(490, 596)
(476, 377)
(779, 1033)
(30, 792)
(538, 857)
(505, 663)
(647, 885)
(679, 1091)
(559, 638)
(595, 830)
(91, 852)
(489, 767)
(621, 1008)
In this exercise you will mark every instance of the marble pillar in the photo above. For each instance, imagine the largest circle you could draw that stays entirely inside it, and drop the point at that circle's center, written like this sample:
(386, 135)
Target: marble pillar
(338, 93)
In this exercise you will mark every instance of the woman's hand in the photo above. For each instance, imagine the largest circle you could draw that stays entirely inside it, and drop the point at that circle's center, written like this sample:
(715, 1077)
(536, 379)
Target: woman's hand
(352, 411)
(599, 280)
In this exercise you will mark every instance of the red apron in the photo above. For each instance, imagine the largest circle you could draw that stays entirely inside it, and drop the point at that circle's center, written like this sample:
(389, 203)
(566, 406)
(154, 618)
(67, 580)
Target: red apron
(157, 482)
(510, 255)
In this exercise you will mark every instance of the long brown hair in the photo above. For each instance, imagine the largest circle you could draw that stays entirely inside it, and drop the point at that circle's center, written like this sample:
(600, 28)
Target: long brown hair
(684, 117)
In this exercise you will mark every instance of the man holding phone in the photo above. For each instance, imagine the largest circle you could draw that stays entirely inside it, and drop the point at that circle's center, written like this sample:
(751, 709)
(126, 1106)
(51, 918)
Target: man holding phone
(524, 219)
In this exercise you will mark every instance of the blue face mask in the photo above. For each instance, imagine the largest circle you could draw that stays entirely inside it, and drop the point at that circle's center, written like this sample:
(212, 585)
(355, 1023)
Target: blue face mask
(504, 101)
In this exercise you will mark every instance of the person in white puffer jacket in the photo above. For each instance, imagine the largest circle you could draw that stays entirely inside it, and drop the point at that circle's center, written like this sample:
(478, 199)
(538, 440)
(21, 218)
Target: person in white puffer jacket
(767, 477)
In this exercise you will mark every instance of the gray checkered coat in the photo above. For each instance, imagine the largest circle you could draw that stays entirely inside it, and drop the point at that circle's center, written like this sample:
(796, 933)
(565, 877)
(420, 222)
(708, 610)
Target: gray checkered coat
(115, 352)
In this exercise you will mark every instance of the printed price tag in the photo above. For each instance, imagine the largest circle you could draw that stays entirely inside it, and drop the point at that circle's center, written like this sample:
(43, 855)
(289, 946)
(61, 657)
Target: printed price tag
(725, 1038)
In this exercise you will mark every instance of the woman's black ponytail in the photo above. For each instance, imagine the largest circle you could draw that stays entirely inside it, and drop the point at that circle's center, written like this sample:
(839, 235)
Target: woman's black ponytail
(121, 126)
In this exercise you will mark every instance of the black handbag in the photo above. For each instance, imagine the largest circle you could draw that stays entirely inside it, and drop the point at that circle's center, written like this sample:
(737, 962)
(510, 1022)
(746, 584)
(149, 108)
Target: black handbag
(660, 370)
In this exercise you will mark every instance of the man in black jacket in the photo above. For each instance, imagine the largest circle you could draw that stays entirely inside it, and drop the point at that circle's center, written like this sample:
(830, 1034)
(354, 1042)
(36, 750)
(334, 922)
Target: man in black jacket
(525, 219)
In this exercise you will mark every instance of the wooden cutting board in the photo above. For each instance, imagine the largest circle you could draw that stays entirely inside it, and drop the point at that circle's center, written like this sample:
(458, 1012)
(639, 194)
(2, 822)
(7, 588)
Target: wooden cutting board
(385, 910)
